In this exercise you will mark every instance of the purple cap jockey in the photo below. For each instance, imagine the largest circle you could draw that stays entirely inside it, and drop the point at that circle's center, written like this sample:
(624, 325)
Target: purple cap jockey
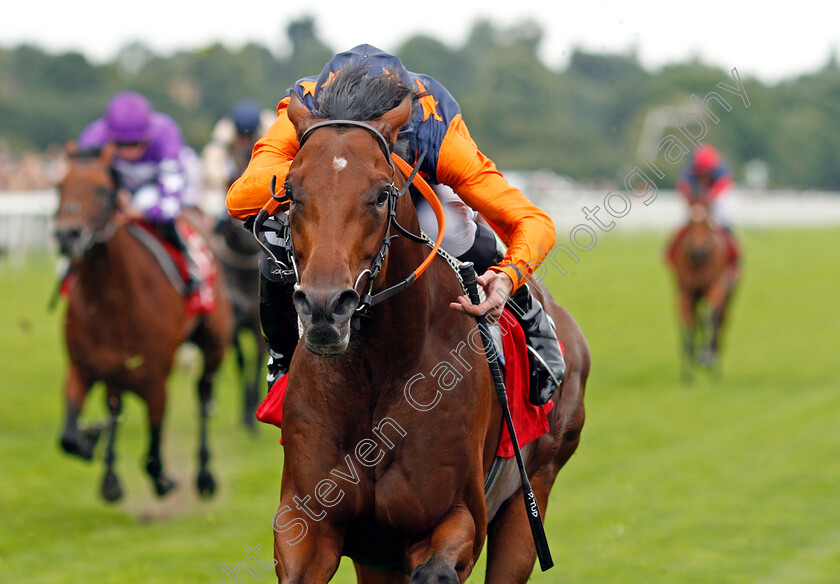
(148, 157)
(151, 162)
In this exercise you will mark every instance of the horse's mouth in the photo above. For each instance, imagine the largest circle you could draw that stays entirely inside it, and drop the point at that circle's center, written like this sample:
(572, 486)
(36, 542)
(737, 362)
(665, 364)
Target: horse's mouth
(327, 341)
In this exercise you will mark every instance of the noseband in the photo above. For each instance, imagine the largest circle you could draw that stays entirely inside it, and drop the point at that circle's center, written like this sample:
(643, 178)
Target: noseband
(286, 266)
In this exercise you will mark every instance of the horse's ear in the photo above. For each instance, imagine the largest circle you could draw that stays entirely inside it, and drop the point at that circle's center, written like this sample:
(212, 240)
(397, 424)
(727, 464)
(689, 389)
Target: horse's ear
(390, 123)
(299, 115)
(107, 154)
(71, 148)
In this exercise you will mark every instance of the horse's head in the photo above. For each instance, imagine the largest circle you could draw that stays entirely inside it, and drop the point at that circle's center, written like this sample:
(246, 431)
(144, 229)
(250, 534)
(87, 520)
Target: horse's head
(87, 201)
(700, 238)
(339, 186)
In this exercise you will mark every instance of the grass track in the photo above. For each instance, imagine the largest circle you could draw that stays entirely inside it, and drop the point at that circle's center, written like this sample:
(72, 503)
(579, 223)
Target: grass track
(730, 480)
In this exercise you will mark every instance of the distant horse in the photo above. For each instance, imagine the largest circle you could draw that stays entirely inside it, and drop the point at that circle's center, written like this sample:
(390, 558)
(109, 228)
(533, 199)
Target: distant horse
(238, 255)
(124, 322)
(705, 276)
(399, 489)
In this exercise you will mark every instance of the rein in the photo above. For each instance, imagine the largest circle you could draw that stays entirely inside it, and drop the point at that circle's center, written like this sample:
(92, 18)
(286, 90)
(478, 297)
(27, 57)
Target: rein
(287, 266)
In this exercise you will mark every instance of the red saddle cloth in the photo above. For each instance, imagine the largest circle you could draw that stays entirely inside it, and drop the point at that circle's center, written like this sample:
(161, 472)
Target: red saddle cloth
(530, 421)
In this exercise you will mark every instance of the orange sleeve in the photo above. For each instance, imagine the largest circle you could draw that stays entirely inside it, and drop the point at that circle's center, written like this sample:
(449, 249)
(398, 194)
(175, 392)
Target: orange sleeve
(272, 156)
(525, 228)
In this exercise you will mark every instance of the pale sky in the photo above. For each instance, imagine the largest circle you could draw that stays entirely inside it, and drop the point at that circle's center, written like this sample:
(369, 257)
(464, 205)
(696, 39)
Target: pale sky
(768, 43)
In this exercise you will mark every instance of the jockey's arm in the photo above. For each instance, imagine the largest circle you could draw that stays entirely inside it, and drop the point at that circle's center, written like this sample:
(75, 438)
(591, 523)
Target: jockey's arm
(684, 187)
(525, 228)
(720, 186)
(272, 156)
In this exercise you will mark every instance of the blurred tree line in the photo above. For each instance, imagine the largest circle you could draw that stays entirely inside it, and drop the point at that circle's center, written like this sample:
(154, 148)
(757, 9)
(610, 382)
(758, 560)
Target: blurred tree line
(585, 122)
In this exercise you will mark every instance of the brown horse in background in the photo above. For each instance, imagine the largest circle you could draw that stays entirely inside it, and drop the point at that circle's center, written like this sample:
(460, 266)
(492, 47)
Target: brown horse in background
(706, 277)
(238, 256)
(124, 322)
(398, 482)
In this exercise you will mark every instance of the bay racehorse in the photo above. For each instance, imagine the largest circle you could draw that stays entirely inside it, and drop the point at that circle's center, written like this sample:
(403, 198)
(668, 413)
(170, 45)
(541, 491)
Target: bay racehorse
(705, 274)
(124, 322)
(396, 484)
(238, 255)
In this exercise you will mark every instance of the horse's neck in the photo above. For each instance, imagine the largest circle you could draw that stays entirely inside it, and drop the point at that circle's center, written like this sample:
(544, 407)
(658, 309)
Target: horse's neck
(107, 272)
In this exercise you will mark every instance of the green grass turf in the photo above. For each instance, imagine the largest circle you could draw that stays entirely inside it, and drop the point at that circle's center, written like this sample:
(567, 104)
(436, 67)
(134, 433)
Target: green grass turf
(729, 480)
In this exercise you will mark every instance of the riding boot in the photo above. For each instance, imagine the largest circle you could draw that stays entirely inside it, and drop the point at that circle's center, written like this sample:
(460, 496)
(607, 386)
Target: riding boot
(279, 325)
(172, 234)
(546, 359)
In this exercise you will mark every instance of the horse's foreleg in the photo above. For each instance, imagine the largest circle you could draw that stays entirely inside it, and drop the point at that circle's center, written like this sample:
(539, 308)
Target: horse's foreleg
(689, 333)
(154, 467)
(205, 483)
(448, 555)
(74, 441)
(307, 548)
(111, 489)
(718, 297)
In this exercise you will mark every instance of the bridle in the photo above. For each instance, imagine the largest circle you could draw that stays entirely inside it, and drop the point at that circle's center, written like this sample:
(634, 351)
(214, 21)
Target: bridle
(285, 266)
(102, 227)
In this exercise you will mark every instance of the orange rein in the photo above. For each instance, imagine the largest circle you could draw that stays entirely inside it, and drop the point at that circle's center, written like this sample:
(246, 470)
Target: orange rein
(433, 201)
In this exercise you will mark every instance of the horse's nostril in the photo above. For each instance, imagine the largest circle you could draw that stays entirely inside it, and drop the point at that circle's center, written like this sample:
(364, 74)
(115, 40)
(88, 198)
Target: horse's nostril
(343, 304)
(328, 307)
(66, 238)
(303, 304)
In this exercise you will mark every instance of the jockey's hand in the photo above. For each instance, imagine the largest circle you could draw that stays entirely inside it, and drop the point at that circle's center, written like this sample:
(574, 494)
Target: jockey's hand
(127, 211)
(497, 288)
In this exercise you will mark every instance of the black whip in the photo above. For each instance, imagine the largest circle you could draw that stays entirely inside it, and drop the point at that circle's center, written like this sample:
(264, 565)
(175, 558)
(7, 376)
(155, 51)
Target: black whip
(537, 530)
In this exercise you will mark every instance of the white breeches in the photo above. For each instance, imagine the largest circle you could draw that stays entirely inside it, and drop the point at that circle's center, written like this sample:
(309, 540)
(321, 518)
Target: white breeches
(460, 221)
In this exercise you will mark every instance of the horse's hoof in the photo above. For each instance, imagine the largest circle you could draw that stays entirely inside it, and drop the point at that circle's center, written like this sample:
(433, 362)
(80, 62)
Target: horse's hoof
(206, 484)
(164, 484)
(111, 489)
(434, 572)
(81, 445)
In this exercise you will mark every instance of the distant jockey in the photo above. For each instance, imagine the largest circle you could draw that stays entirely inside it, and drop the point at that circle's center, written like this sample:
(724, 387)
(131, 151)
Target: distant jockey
(233, 138)
(707, 181)
(466, 181)
(153, 165)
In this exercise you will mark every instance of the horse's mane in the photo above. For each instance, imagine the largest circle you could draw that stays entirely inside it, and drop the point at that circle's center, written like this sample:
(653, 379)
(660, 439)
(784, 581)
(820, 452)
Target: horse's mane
(356, 94)
(91, 155)
(87, 153)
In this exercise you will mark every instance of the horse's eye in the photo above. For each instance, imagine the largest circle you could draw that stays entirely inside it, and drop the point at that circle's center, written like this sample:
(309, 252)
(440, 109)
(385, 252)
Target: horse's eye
(288, 190)
(383, 196)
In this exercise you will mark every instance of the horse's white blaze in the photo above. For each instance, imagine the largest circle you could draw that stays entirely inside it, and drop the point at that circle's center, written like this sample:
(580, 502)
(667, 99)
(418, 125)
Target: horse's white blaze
(339, 163)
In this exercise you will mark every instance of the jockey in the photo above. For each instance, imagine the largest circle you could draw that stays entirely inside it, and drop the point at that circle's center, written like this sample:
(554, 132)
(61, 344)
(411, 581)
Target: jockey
(467, 183)
(227, 153)
(149, 163)
(231, 142)
(707, 181)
